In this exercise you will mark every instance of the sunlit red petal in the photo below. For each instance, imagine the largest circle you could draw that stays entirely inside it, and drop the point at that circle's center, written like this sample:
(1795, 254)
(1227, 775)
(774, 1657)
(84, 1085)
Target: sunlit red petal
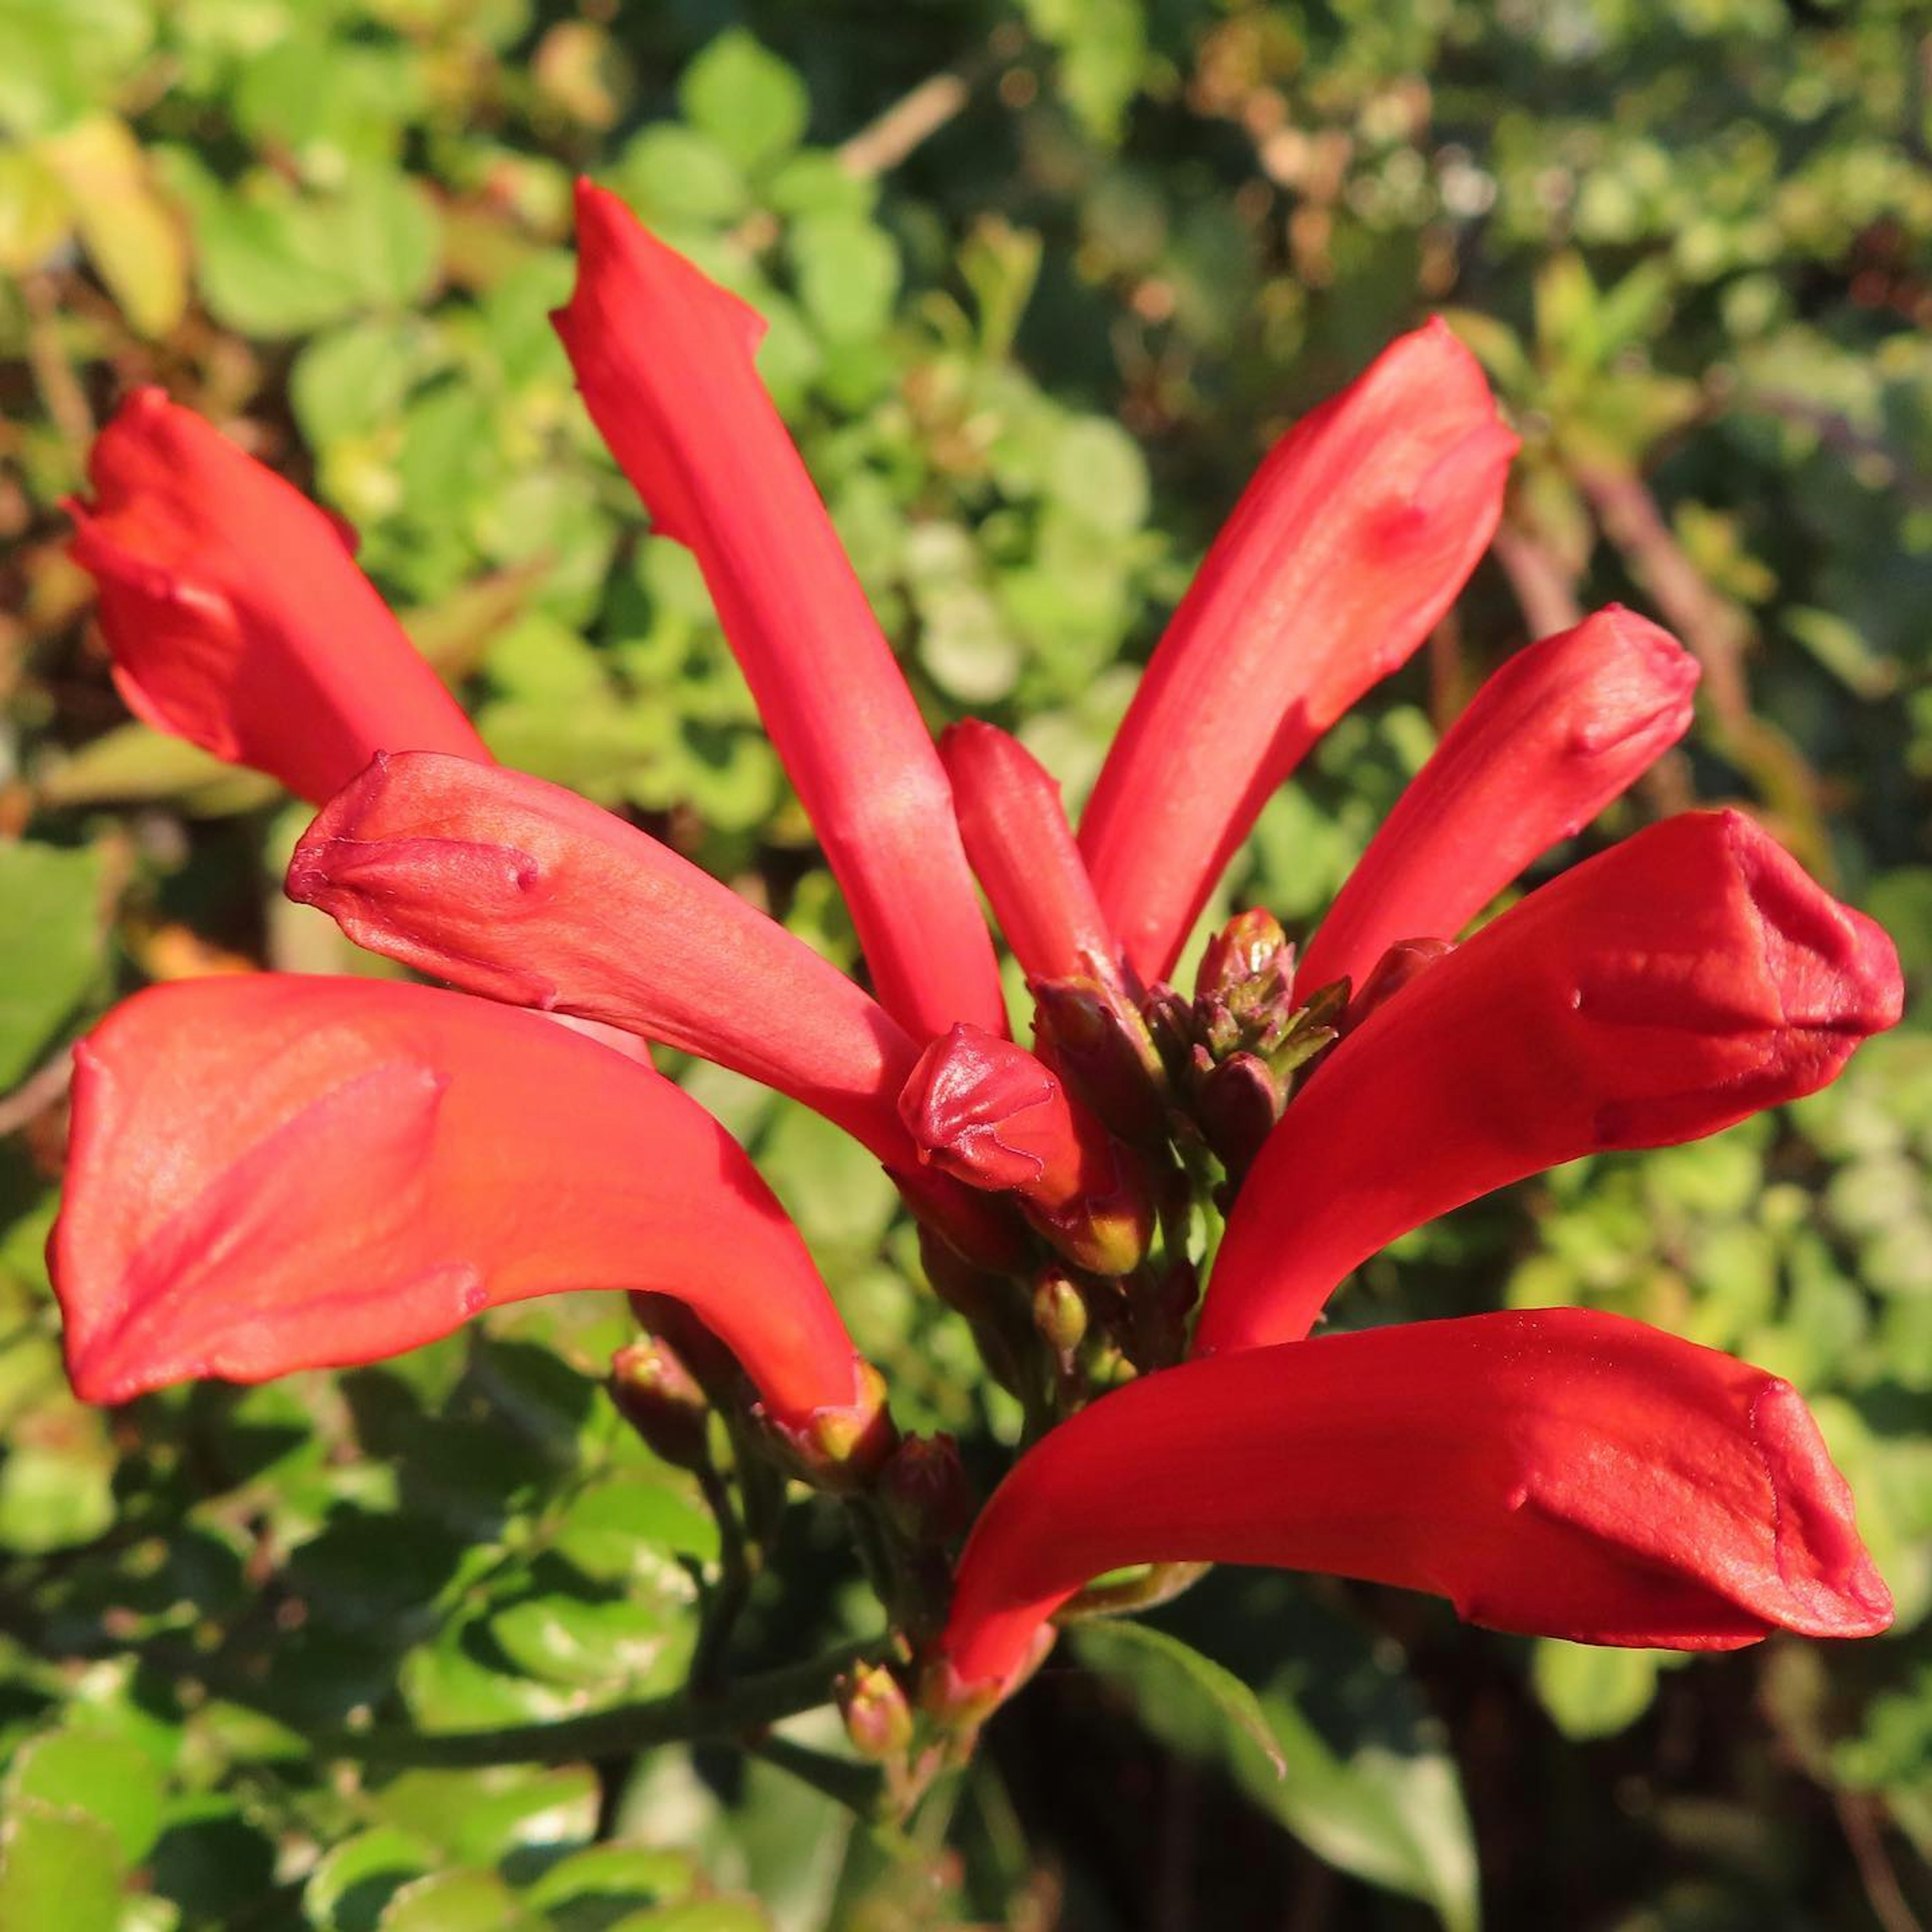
(235, 613)
(278, 1173)
(1563, 728)
(1560, 1473)
(665, 358)
(1688, 977)
(1353, 539)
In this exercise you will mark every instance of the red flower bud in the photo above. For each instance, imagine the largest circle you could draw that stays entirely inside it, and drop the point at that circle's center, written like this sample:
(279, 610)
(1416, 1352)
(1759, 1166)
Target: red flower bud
(1686, 978)
(990, 1114)
(279, 1173)
(235, 613)
(1023, 851)
(1353, 539)
(1560, 1473)
(1563, 728)
(665, 358)
(659, 1397)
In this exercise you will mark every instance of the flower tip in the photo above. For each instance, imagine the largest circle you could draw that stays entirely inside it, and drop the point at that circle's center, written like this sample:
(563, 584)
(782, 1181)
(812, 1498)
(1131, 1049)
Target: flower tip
(1834, 970)
(966, 1094)
(1831, 1585)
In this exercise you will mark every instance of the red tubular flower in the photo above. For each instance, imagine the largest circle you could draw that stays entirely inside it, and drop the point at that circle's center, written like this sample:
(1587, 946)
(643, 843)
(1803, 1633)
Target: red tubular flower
(281, 1173)
(1562, 1473)
(1023, 852)
(1660, 991)
(235, 613)
(1563, 728)
(523, 892)
(989, 1113)
(665, 358)
(1352, 539)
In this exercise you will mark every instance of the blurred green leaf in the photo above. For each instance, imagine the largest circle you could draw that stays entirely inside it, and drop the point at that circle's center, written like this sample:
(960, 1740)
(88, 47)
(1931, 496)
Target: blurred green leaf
(746, 98)
(56, 895)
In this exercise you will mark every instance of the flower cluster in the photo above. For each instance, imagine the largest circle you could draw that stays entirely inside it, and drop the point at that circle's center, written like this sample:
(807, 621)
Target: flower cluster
(276, 1173)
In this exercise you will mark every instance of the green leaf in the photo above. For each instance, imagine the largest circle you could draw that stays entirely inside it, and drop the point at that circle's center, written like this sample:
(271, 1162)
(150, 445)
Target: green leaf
(111, 1779)
(353, 1882)
(631, 1645)
(1102, 47)
(63, 57)
(672, 175)
(1590, 1691)
(848, 274)
(605, 1884)
(479, 1817)
(1166, 1677)
(133, 763)
(457, 1902)
(57, 1482)
(60, 1871)
(746, 98)
(55, 895)
(1099, 473)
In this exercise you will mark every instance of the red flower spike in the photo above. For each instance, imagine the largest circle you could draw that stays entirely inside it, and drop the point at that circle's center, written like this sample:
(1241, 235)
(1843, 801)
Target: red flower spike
(523, 892)
(1560, 1473)
(281, 1173)
(665, 358)
(236, 615)
(1353, 539)
(1023, 852)
(1564, 728)
(1662, 991)
(989, 1113)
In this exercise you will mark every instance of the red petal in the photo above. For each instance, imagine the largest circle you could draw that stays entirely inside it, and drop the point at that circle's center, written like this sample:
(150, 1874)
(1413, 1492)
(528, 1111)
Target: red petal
(1559, 1473)
(278, 1173)
(1023, 854)
(1562, 729)
(1661, 992)
(523, 892)
(1353, 539)
(664, 360)
(237, 618)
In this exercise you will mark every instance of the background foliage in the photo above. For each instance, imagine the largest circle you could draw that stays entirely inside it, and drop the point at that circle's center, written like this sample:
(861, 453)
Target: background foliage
(1042, 280)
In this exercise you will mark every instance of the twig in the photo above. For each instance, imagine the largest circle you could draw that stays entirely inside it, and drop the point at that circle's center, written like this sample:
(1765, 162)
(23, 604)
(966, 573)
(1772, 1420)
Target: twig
(1544, 587)
(1889, 1903)
(747, 1707)
(915, 118)
(36, 1094)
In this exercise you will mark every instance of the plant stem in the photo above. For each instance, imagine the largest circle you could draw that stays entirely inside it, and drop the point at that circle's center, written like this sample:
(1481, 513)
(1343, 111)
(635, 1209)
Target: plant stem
(858, 1787)
(689, 1716)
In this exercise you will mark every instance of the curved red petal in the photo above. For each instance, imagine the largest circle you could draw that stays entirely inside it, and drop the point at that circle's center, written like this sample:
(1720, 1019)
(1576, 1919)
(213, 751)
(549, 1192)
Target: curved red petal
(1560, 1473)
(1353, 539)
(521, 891)
(278, 1173)
(1563, 728)
(238, 619)
(1660, 991)
(664, 359)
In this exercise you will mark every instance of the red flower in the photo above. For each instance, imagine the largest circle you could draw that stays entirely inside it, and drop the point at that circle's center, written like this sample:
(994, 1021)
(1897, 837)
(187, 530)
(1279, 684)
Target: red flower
(276, 1173)
(1023, 853)
(1352, 540)
(1563, 728)
(664, 359)
(235, 613)
(1658, 993)
(1562, 1473)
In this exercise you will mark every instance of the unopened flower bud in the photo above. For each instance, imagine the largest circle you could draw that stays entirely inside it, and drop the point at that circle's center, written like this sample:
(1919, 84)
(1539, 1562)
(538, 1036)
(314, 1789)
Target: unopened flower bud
(1059, 1312)
(659, 1397)
(1245, 948)
(924, 1490)
(1099, 1041)
(1237, 1104)
(1401, 963)
(841, 1448)
(878, 1719)
(710, 1364)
